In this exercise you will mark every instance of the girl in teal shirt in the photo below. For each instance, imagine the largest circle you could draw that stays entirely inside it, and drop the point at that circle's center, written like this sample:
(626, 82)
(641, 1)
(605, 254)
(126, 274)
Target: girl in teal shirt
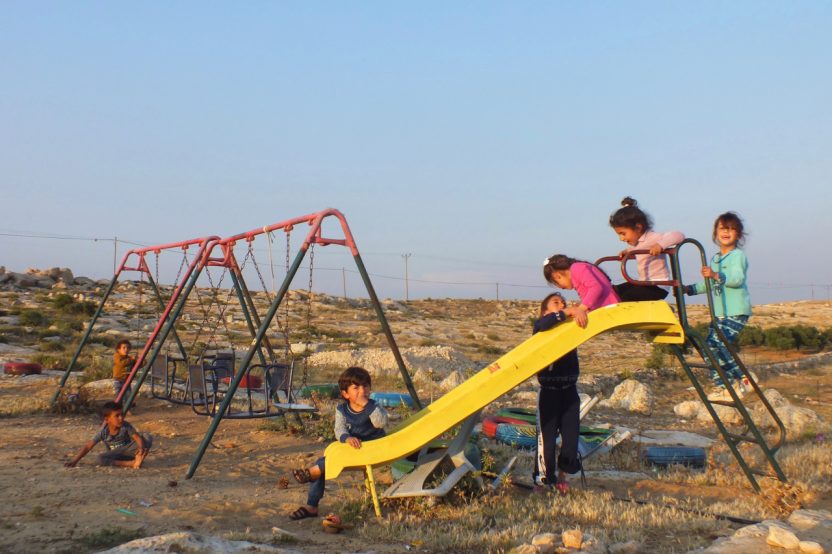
(732, 305)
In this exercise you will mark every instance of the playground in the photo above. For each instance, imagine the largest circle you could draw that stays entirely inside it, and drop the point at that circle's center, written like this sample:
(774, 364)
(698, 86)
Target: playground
(224, 380)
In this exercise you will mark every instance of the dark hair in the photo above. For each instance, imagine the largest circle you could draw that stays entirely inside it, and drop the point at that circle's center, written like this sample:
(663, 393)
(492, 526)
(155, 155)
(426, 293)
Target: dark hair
(122, 342)
(108, 408)
(732, 221)
(545, 303)
(560, 262)
(630, 216)
(354, 376)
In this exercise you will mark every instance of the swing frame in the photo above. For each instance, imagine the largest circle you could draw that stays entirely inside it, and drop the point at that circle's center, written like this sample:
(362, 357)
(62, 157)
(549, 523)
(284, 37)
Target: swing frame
(257, 325)
(135, 260)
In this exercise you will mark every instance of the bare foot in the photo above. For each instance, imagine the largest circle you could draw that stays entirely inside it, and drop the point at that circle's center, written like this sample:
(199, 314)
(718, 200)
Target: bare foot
(140, 456)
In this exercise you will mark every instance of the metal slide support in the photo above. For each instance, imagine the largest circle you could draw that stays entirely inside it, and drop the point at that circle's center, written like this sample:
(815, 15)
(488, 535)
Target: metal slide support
(86, 336)
(235, 383)
(709, 358)
(387, 332)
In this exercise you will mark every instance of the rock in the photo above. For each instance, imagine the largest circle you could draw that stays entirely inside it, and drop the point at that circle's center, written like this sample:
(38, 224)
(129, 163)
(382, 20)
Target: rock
(689, 409)
(546, 543)
(83, 282)
(453, 380)
(525, 549)
(303, 348)
(572, 538)
(23, 280)
(632, 396)
(422, 377)
(810, 547)
(629, 547)
(193, 542)
(593, 545)
(103, 389)
(5, 277)
(784, 538)
(60, 285)
(803, 520)
(796, 419)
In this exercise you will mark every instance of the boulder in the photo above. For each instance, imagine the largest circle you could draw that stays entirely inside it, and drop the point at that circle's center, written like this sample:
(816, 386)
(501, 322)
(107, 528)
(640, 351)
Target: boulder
(784, 538)
(23, 280)
(83, 282)
(546, 543)
(631, 395)
(803, 520)
(796, 419)
(184, 541)
(453, 380)
(572, 538)
(103, 389)
(810, 547)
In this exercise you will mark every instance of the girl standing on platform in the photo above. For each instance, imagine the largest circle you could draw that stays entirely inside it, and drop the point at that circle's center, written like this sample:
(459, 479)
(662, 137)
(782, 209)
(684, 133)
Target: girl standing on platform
(635, 227)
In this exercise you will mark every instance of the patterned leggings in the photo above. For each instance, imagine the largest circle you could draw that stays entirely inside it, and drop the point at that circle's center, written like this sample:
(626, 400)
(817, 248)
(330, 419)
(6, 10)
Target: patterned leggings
(731, 328)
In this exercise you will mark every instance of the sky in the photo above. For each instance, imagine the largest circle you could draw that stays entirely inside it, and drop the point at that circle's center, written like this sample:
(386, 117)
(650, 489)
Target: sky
(478, 137)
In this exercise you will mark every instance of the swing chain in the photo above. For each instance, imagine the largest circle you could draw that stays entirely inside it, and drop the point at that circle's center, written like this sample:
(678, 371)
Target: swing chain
(308, 317)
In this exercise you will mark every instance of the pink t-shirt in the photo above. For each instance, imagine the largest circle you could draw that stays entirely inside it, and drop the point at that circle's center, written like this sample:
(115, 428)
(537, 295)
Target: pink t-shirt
(654, 268)
(592, 286)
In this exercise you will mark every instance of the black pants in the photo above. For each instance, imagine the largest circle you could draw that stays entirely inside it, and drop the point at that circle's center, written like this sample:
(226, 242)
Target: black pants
(557, 413)
(629, 292)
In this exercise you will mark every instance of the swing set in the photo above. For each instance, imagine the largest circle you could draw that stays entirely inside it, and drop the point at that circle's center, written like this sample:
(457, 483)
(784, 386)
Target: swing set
(217, 384)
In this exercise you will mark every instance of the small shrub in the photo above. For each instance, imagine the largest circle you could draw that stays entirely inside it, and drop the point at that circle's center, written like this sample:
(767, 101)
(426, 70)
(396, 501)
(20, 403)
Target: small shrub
(492, 336)
(752, 336)
(33, 318)
(53, 346)
(657, 358)
(780, 338)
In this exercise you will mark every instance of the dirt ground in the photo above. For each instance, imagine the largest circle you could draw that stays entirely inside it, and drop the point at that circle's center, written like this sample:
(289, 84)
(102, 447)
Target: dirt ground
(50, 508)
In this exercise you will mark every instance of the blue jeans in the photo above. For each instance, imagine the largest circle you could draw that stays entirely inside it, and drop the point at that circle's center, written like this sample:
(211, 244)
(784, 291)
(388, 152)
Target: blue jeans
(117, 384)
(316, 487)
(731, 328)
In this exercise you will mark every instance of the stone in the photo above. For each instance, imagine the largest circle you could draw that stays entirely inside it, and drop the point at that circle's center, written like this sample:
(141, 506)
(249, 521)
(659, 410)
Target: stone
(796, 419)
(631, 395)
(525, 397)
(629, 547)
(803, 520)
(572, 538)
(193, 542)
(23, 280)
(810, 547)
(689, 409)
(784, 538)
(103, 389)
(546, 543)
(453, 380)
(83, 282)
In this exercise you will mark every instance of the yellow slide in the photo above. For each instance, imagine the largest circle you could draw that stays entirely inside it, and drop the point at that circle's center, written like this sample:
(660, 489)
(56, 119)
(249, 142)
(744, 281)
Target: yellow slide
(499, 378)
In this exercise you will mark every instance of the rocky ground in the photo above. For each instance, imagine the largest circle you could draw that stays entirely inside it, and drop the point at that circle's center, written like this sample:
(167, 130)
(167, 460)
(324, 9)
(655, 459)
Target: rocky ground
(234, 496)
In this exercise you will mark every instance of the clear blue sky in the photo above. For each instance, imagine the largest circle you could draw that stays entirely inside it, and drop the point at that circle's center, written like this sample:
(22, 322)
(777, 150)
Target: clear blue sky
(478, 136)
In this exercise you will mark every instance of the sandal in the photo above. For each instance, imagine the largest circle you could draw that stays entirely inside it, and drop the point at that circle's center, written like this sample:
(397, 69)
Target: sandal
(562, 487)
(301, 475)
(302, 513)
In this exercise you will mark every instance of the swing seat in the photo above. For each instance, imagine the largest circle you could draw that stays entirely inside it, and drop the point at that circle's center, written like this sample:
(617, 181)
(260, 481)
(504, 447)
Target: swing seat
(279, 378)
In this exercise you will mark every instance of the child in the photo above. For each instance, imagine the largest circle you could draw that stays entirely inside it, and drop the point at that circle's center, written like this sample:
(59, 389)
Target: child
(122, 364)
(636, 229)
(732, 305)
(592, 285)
(356, 419)
(126, 447)
(558, 406)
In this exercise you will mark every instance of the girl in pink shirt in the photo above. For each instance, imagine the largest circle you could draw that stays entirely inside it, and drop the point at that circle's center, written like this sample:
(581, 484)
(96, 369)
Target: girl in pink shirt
(592, 285)
(635, 227)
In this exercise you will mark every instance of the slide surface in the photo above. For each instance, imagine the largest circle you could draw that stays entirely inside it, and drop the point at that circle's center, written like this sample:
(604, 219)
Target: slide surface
(506, 373)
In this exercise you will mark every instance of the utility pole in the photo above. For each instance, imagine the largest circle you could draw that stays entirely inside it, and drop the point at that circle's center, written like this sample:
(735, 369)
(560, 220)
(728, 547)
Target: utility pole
(406, 278)
(498, 291)
(344, 281)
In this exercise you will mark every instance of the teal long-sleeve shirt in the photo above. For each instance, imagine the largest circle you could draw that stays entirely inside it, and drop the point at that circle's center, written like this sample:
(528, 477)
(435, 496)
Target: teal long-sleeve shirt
(731, 296)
